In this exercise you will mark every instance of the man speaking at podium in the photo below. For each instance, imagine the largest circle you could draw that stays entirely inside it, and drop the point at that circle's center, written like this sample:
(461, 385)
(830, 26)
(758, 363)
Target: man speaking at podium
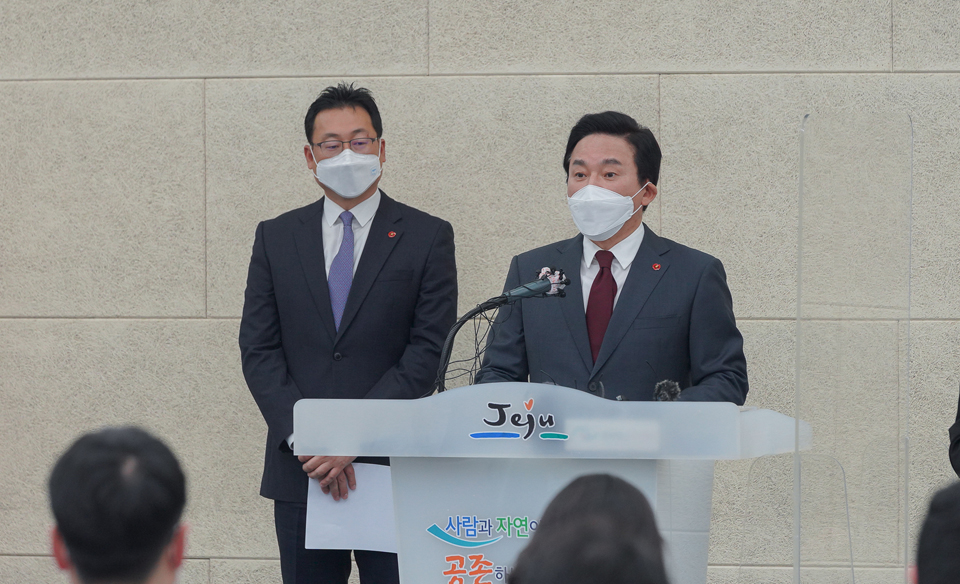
(348, 297)
(640, 309)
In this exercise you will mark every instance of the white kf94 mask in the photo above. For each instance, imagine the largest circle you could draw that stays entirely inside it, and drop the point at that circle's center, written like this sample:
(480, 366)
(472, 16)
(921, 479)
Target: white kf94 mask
(349, 174)
(599, 213)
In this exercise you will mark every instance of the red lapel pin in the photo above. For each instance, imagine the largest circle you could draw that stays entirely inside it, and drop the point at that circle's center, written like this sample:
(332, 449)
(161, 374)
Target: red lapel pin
(656, 266)
(392, 234)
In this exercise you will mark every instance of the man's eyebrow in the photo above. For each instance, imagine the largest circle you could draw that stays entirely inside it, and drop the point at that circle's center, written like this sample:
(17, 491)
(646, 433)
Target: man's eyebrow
(334, 134)
(579, 162)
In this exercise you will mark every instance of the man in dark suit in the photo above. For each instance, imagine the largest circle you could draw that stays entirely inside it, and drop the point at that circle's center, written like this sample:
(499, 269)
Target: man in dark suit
(349, 297)
(955, 444)
(639, 309)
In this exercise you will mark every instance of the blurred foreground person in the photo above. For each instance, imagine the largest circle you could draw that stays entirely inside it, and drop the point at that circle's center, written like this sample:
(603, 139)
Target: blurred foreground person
(117, 496)
(938, 552)
(955, 444)
(598, 529)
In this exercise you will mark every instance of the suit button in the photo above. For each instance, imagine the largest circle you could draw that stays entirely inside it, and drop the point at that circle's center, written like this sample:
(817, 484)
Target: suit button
(337, 356)
(593, 386)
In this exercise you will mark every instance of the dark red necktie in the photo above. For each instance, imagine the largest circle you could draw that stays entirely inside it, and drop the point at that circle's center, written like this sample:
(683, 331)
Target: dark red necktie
(600, 302)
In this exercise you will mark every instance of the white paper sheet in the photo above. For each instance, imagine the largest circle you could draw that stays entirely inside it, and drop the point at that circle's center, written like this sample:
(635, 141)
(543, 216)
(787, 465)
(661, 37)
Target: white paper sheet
(363, 521)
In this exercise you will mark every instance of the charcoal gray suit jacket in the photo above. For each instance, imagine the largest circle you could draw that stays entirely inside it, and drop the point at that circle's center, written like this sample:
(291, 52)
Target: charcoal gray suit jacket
(673, 320)
(401, 306)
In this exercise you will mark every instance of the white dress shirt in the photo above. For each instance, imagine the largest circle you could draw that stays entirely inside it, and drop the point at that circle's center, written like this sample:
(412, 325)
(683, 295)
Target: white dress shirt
(623, 256)
(333, 234)
(333, 228)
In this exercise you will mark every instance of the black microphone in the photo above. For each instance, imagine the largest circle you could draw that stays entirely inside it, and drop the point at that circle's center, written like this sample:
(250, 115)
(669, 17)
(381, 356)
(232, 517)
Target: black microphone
(550, 282)
(535, 288)
(665, 390)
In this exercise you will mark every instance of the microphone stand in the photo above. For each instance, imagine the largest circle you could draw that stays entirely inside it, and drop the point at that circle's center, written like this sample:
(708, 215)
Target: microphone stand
(495, 302)
(539, 289)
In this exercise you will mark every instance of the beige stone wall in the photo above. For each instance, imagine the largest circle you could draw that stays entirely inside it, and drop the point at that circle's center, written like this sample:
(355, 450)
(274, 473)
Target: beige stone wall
(144, 140)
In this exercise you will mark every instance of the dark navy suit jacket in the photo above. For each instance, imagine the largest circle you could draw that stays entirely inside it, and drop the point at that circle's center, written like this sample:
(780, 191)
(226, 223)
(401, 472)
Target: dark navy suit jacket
(955, 444)
(673, 320)
(401, 306)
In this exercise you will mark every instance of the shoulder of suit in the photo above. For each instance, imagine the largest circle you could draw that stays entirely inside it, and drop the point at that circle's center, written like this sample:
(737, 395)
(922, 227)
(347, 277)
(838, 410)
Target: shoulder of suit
(296, 216)
(683, 253)
(412, 213)
(549, 250)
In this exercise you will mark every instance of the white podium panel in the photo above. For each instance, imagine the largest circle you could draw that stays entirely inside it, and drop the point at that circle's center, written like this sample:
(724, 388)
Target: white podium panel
(474, 468)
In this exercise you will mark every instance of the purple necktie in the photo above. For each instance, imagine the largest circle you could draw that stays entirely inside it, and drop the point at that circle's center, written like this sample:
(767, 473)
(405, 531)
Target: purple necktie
(341, 270)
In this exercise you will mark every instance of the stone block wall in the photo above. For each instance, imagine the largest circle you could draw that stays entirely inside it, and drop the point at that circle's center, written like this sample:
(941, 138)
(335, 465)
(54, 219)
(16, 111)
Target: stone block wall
(144, 140)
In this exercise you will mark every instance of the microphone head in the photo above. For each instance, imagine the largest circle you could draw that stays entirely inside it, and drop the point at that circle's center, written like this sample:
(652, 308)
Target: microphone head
(666, 390)
(557, 278)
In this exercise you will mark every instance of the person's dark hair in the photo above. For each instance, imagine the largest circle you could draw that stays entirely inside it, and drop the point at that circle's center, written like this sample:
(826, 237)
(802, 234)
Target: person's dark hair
(604, 498)
(339, 97)
(646, 151)
(938, 561)
(607, 495)
(117, 496)
(591, 548)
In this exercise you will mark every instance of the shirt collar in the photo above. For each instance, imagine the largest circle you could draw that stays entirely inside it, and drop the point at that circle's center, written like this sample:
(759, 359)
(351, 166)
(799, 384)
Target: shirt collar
(624, 252)
(362, 213)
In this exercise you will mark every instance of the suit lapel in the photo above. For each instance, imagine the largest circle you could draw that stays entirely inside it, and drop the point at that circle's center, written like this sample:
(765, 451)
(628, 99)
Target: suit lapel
(641, 281)
(568, 260)
(309, 242)
(375, 253)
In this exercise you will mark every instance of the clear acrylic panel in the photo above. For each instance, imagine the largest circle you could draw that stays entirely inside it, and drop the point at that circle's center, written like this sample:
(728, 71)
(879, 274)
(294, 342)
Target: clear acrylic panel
(852, 352)
(824, 506)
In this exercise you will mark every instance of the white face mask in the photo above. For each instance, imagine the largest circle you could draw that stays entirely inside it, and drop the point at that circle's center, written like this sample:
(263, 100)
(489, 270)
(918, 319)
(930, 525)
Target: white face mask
(599, 213)
(349, 174)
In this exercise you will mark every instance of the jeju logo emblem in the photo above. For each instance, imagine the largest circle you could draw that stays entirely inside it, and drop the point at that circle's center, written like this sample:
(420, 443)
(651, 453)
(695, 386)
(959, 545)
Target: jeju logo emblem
(525, 423)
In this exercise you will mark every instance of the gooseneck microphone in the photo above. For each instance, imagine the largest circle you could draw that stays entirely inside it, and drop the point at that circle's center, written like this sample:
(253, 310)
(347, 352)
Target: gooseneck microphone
(535, 288)
(549, 282)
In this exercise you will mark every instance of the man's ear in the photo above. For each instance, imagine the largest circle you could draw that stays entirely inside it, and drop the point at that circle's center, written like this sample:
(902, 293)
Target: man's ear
(175, 549)
(60, 552)
(649, 194)
(383, 150)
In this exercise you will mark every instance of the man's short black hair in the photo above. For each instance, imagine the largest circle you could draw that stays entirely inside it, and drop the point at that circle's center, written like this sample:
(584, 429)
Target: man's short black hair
(646, 151)
(339, 97)
(117, 496)
(938, 551)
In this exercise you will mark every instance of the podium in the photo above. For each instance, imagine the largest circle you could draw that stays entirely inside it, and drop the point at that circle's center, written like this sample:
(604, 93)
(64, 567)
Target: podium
(473, 468)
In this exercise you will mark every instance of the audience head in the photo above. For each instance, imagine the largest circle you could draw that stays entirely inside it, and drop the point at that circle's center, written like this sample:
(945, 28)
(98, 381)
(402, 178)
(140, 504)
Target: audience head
(605, 495)
(938, 551)
(599, 528)
(117, 496)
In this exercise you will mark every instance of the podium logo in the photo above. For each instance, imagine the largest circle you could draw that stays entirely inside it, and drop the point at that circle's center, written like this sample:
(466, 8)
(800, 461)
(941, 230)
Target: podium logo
(525, 422)
(468, 531)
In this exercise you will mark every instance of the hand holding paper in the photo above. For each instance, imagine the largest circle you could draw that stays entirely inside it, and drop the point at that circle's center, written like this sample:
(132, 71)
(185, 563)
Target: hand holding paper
(338, 488)
(335, 473)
